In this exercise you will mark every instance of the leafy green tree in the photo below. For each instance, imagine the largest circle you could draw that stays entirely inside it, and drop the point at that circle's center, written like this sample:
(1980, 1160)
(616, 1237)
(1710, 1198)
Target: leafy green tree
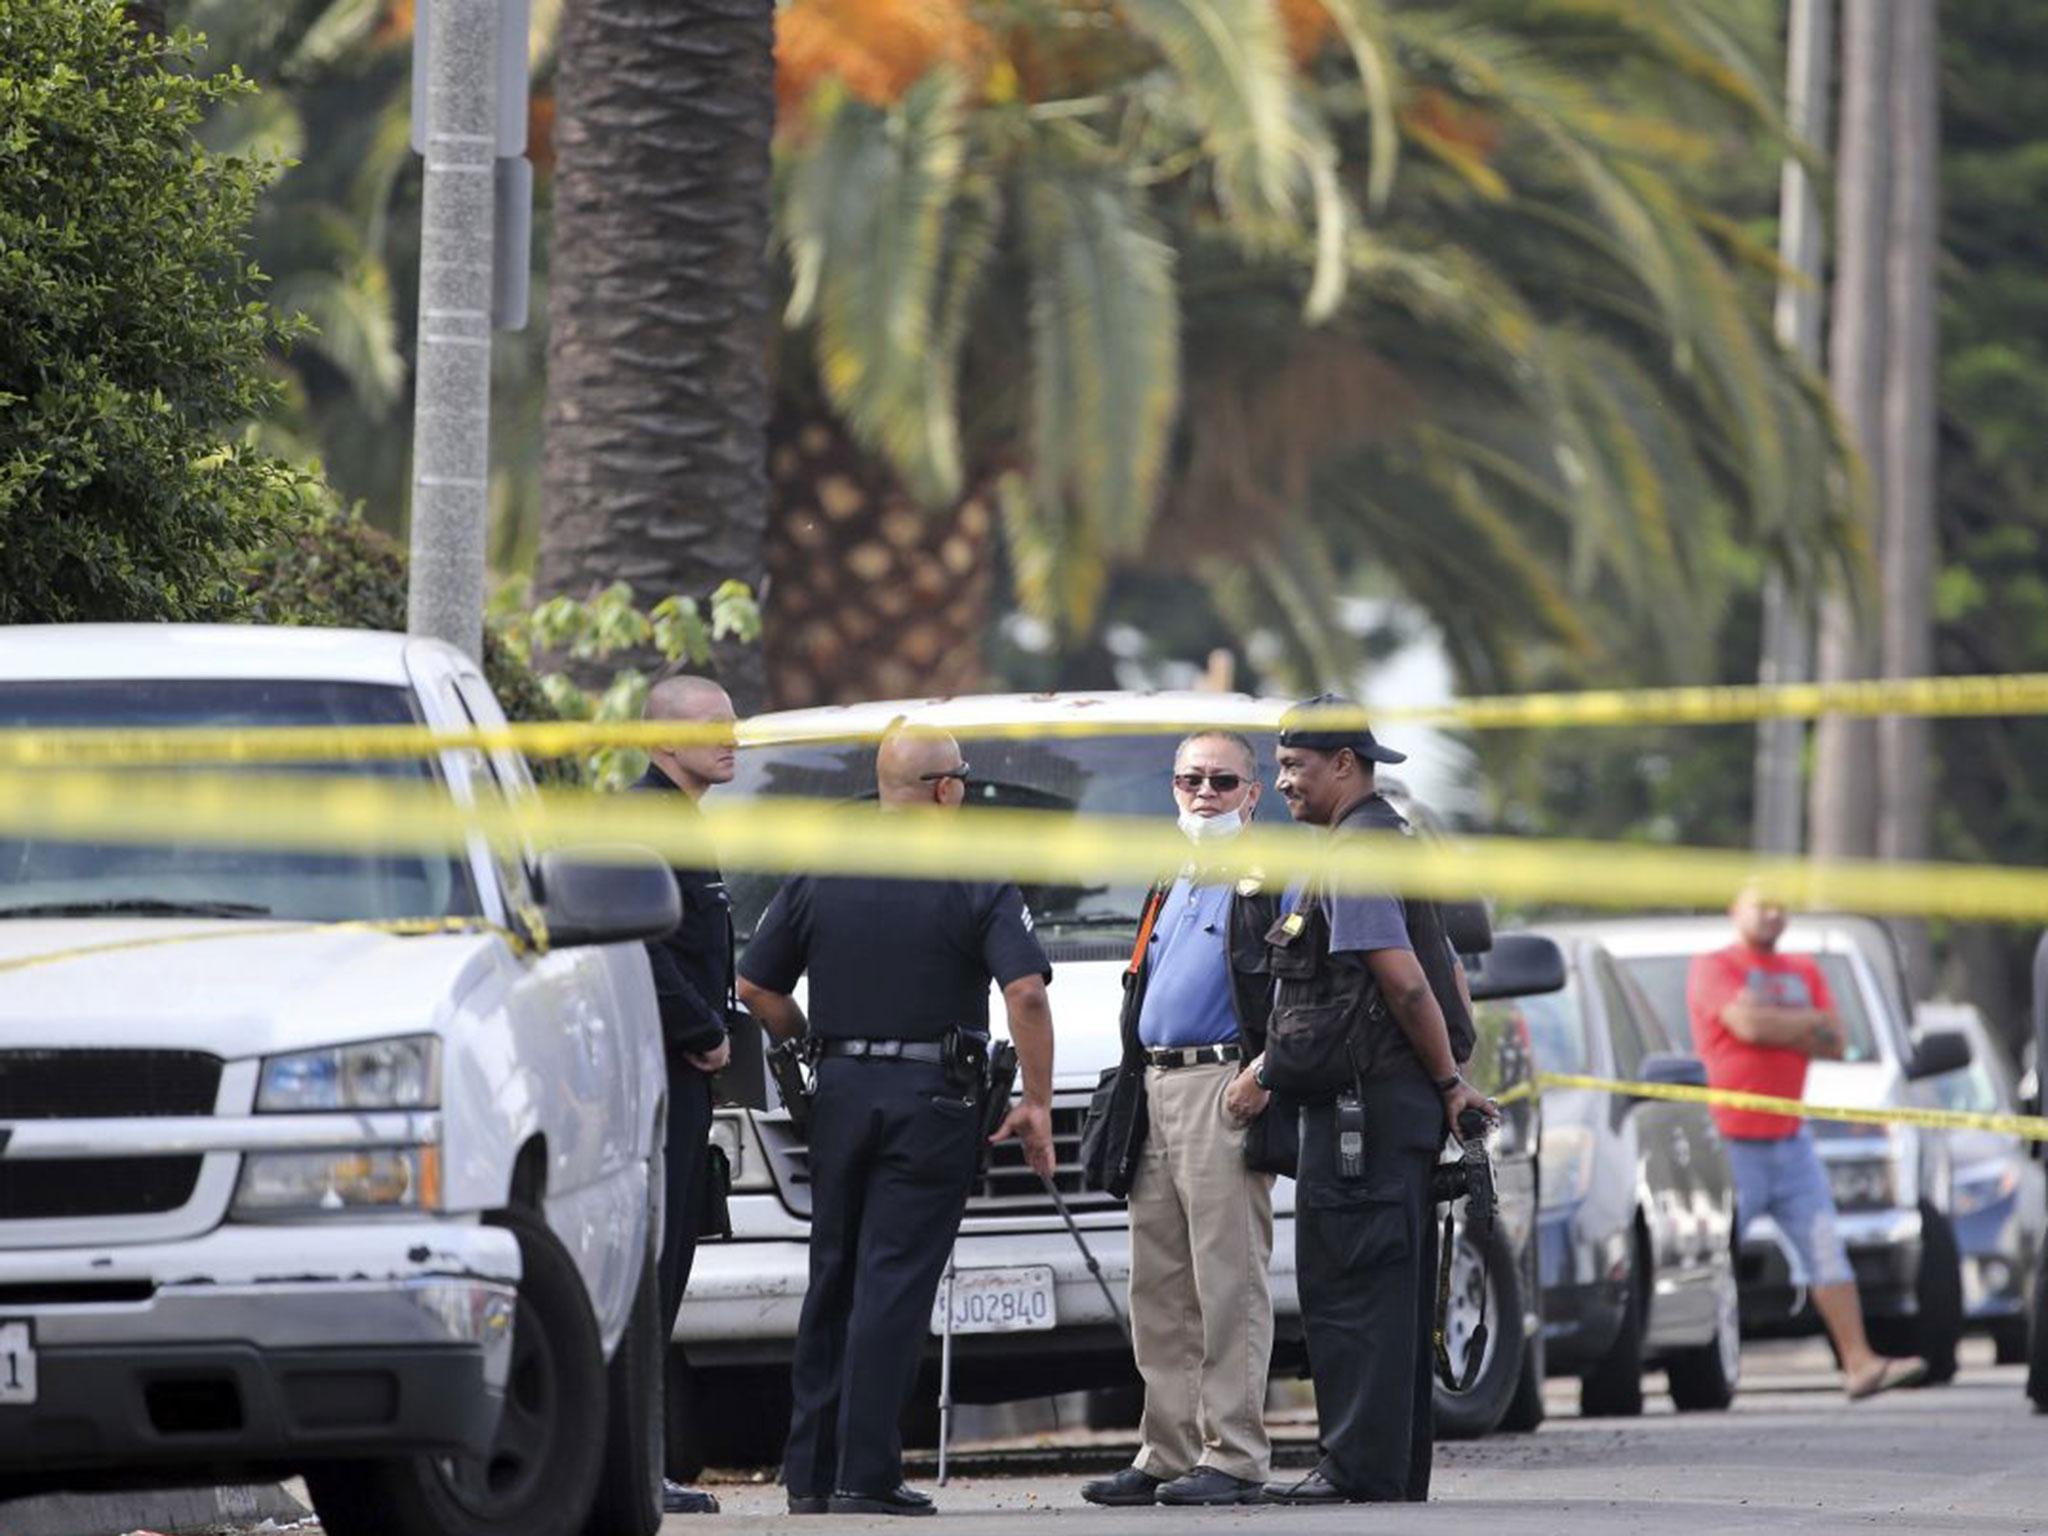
(132, 330)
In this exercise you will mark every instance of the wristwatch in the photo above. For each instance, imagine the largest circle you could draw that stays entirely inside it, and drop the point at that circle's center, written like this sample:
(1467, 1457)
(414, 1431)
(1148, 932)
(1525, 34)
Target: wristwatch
(1446, 1084)
(1259, 1074)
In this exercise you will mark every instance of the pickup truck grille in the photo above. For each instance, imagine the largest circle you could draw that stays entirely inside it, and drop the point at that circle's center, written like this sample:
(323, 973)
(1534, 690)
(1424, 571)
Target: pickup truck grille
(104, 1085)
(72, 1188)
(1007, 1189)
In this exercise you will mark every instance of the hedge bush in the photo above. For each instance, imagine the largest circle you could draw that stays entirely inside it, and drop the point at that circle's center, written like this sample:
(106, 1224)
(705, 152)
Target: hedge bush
(132, 336)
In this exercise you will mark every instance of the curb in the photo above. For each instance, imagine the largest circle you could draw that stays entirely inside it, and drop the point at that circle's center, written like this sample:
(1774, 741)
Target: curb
(170, 1511)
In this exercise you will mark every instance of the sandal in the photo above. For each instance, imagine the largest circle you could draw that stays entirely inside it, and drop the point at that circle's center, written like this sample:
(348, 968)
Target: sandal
(1890, 1373)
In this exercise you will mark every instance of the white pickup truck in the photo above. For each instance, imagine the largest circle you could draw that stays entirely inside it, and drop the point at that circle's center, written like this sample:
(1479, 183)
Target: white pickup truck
(320, 1163)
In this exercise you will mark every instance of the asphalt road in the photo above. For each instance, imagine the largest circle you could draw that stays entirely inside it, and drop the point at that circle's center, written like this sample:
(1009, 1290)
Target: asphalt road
(1792, 1455)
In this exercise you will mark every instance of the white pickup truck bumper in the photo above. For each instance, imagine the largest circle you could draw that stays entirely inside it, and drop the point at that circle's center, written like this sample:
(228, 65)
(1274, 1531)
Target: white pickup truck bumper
(257, 1345)
(744, 1298)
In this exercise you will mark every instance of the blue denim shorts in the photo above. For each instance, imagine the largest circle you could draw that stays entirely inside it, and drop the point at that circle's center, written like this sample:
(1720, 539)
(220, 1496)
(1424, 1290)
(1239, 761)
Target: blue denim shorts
(1784, 1180)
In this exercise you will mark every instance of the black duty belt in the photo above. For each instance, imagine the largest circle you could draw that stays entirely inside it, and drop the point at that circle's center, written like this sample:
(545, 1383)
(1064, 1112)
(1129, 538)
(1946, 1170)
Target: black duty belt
(1171, 1056)
(928, 1051)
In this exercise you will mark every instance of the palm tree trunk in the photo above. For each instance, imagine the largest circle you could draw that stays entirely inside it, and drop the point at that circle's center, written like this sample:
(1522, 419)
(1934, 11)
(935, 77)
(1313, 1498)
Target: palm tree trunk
(870, 596)
(1908, 554)
(1844, 817)
(654, 468)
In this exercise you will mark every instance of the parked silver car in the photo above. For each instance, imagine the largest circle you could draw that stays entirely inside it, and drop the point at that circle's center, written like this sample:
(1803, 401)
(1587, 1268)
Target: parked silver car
(1636, 1227)
(2001, 1207)
(1893, 1185)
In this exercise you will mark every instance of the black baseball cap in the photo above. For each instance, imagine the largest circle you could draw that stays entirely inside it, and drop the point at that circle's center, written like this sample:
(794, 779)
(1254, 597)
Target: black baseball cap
(1335, 737)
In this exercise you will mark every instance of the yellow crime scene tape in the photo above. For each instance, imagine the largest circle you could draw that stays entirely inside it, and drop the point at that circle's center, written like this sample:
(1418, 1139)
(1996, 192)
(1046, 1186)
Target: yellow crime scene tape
(341, 813)
(1930, 697)
(2026, 1127)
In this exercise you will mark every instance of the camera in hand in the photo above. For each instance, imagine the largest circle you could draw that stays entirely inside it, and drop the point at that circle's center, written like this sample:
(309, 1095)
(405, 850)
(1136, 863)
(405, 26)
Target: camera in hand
(1470, 1178)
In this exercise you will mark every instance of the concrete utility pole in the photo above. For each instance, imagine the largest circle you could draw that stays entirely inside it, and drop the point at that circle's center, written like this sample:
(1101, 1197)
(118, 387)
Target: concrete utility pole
(1844, 815)
(451, 433)
(476, 229)
(1788, 618)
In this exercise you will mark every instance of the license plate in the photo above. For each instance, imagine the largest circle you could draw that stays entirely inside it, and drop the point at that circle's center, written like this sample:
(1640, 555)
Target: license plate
(996, 1301)
(17, 1363)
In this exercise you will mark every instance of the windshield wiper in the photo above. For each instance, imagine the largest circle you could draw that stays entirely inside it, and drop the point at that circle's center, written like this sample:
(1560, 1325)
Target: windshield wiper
(137, 906)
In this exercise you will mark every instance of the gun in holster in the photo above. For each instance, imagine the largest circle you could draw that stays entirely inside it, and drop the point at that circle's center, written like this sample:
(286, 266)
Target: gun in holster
(789, 1063)
(995, 1081)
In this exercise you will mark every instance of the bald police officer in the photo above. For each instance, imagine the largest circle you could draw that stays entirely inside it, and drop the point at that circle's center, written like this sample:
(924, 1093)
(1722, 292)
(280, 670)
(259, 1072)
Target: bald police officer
(896, 967)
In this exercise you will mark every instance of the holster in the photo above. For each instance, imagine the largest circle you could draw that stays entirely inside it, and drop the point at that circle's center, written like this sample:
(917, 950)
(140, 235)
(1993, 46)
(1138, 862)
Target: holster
(789, 1063)
(997, 1085)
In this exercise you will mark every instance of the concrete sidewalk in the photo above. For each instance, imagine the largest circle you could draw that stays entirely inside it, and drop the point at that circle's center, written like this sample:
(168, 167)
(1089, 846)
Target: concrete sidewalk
(171, 1512)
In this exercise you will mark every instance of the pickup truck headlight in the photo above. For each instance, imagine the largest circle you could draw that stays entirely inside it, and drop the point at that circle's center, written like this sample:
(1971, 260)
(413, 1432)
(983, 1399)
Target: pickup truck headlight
(387, 1178)
(1864, 1183)
(400, 1073)
(1567, 1164)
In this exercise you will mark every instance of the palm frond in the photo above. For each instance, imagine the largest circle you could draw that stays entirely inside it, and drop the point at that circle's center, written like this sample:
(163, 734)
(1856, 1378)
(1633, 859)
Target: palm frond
(1105, 354)
(356, 331)
(341, 26)
(1364, 27)
(864, 220)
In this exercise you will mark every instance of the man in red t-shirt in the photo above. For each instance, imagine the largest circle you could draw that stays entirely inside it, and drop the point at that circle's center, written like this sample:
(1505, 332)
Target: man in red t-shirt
(1758, 1017)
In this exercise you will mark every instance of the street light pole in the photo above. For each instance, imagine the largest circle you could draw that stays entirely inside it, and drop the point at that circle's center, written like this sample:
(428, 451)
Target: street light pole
(451, 455)
(1788, 620)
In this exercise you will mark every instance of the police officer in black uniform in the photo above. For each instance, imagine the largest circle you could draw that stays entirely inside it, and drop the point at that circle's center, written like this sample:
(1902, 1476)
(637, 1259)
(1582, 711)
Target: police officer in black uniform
(693, 986)
(896, 966)
(1365, 1235)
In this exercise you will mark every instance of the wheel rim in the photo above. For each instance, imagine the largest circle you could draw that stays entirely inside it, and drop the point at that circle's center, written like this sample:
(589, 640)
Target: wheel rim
(508, 1476)
(1470, 1283)
(1728, 1329)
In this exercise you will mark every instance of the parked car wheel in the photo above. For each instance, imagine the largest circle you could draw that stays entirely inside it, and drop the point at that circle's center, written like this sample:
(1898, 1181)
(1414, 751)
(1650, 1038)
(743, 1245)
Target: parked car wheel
(1118, 1407)
(1467, 1415)
(1937, 1329)
(1614, 1387)
(628, 1500)
(1525, 1409)
(1705, 1377)
(2037, 1343)
(2009, 1340)
(542, 1470)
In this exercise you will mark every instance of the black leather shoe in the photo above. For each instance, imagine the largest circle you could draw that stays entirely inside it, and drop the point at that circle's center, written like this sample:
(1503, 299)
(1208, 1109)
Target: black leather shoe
(1130, 1487)
(1207, 1485)
(809, 1504)
(678, 1500)
(901, 1500)
(1313, 1489)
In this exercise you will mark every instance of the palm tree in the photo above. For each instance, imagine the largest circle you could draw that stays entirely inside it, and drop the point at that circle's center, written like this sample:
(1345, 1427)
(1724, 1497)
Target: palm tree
(654, 467)
(1533, 380)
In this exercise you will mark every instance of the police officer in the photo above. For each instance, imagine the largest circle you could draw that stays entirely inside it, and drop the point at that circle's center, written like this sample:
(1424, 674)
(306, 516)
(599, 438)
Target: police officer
(895, 966)
(693, 987)
(1364, 1231)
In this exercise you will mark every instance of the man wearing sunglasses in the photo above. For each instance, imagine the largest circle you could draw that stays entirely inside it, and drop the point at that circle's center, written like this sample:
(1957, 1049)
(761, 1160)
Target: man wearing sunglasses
(1194, 1018)
(899, 974)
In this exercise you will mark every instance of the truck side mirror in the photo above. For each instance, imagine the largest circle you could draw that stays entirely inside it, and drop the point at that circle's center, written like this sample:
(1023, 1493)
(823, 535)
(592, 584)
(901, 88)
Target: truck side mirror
(1937, 1051)
(617, 894)
(1518, 965)
(1467, 926)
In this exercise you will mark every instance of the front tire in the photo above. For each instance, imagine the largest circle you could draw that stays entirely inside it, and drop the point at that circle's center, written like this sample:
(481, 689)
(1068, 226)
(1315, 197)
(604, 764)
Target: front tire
(1468, 1415)
(542, 1470)
(628, 1499)
(1614, 1387)
(1705, 1377)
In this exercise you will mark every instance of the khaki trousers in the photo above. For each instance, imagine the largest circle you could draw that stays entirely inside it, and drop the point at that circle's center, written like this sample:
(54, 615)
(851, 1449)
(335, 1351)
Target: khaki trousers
(1201, 1300)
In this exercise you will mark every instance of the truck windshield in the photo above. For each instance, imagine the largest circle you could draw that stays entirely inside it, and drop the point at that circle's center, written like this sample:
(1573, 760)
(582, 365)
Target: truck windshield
(1128, 775)
(41, 876)
(1662, 978)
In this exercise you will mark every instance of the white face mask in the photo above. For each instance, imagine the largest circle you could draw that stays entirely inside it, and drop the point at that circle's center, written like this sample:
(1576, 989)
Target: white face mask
(1208, 829)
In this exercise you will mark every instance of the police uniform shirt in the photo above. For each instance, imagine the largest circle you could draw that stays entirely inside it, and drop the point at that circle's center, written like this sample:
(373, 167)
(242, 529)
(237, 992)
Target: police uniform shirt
(893, 959)
(692, 964)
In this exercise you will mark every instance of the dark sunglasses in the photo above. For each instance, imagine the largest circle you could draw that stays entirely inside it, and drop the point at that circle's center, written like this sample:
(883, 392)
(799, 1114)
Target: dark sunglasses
(1222, 783)
(959, 773)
